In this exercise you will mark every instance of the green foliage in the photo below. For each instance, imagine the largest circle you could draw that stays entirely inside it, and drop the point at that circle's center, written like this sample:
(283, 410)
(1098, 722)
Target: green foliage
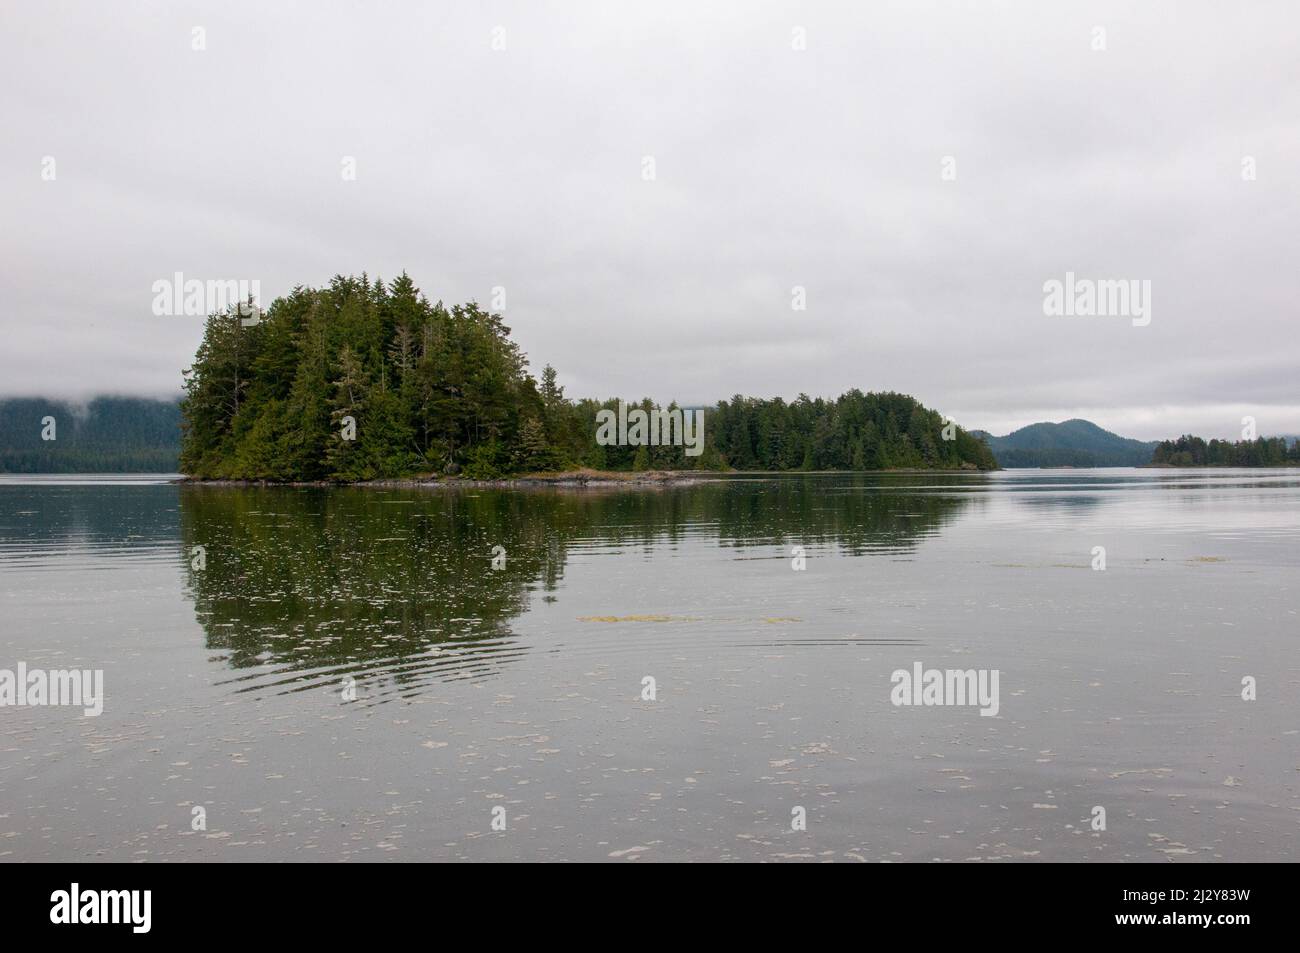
(856, 431)
(486, 461)
(429, 388)
(1189, 451)
(433, 388)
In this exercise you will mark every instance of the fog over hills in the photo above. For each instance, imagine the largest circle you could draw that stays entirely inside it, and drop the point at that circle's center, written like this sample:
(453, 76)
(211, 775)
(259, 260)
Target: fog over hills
(108, 434)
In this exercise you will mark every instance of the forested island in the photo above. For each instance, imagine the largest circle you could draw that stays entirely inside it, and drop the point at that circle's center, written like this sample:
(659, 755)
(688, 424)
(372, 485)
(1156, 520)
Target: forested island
(363, 380)
(1189, 451)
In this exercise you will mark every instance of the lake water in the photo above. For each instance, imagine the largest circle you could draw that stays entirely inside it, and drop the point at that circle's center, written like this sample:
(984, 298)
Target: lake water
(227, 678)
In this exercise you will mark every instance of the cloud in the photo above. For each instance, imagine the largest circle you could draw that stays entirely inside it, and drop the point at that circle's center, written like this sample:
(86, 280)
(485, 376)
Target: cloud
(775, 168)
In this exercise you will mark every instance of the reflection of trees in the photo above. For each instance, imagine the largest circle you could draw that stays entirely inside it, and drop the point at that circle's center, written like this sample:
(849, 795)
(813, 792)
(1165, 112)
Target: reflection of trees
(338, 578)
(317, 577)
(1059, 504)
(865, 514)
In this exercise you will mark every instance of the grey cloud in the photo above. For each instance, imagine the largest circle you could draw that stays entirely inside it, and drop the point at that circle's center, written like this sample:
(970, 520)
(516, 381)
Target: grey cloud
(776, 168)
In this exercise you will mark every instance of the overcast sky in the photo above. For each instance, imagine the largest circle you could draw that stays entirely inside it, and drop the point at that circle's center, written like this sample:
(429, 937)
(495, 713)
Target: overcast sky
(774, 167)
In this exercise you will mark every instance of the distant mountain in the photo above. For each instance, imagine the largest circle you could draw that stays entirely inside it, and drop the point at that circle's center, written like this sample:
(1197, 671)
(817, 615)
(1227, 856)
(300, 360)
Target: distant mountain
(1071, 443)
(106, 435)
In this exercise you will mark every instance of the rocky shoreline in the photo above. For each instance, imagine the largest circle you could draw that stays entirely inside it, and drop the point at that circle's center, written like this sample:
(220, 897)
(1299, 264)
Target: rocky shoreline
(594, 479)
(575, 478)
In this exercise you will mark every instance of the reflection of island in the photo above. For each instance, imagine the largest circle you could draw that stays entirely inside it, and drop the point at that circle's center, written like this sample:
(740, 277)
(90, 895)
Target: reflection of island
(323, 583)
(333, 582)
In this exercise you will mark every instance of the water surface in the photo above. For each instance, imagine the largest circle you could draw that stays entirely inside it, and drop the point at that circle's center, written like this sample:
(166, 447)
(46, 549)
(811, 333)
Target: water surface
(521, 688)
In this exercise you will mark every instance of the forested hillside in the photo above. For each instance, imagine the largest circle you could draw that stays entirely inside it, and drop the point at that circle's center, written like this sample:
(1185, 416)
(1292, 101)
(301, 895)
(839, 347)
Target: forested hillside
(436, 389)
(107, 435)
(1070, 443)
(1189, 451)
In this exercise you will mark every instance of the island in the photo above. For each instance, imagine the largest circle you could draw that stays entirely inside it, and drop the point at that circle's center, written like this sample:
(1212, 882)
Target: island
(362, 381)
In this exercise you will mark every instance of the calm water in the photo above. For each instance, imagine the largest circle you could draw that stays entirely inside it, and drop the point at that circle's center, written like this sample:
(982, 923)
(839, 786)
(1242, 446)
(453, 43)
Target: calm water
(521, 688)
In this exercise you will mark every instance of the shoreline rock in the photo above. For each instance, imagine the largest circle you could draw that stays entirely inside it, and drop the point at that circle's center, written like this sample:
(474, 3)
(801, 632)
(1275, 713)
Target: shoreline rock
(594, 479)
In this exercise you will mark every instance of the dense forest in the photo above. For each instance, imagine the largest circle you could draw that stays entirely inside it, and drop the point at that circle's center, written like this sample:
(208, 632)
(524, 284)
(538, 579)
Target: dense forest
(105, 435)
(1189, 451)
(424, 388)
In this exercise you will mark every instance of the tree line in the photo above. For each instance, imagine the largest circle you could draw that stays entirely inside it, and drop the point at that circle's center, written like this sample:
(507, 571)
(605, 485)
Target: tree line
(1190, 451)
(362, 380)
